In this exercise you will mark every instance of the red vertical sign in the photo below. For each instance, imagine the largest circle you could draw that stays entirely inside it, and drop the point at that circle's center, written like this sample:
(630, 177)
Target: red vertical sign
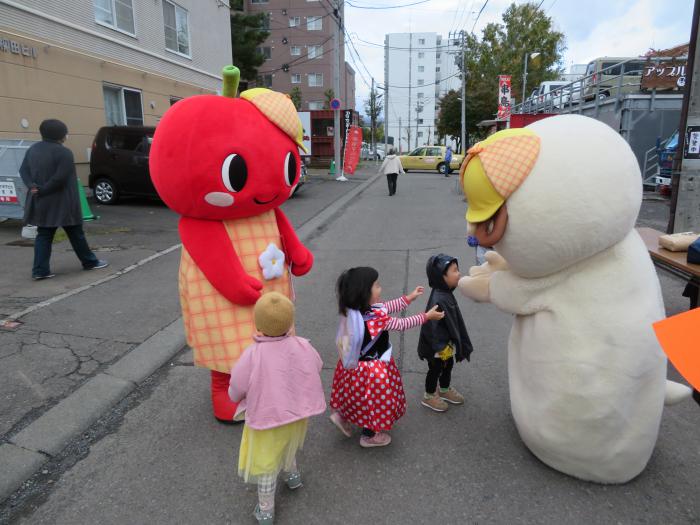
(353, 145)
(503, 97)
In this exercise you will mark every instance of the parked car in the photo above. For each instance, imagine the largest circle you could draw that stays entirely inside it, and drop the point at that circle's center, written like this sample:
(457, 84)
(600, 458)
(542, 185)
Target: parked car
(604, 74)
(366, 152)
(551, 94)
(303, 175)
(429, 158)
(119, 163)
(665, 151)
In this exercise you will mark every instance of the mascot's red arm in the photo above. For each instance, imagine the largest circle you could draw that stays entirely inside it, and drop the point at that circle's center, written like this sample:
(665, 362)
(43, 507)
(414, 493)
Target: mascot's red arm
(210, 247)
(298, 255)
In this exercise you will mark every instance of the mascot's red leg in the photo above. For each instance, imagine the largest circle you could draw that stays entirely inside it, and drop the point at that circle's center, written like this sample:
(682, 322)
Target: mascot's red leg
(224, 408)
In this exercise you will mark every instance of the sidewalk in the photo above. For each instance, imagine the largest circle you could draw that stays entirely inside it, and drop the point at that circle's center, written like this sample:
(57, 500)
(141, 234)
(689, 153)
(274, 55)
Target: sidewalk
(88, 338)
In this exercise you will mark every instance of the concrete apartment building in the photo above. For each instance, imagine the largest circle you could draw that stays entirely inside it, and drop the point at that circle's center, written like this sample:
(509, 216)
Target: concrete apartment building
(299, 51)
(419, 68)
(93, 63)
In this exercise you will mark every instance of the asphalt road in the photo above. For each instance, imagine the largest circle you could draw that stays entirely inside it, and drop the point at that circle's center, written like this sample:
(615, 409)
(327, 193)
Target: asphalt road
(159, 457)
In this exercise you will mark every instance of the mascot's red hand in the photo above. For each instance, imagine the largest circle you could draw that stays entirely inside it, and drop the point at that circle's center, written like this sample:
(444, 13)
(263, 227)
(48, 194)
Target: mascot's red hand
(298, 255)
(209, 246)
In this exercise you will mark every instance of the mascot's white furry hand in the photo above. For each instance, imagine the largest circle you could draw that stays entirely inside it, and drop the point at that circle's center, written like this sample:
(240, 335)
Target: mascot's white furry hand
(476, 284)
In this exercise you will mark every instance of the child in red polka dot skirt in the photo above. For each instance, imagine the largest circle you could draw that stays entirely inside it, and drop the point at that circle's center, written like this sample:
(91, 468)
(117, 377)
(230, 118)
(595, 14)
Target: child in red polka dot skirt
(370, 393)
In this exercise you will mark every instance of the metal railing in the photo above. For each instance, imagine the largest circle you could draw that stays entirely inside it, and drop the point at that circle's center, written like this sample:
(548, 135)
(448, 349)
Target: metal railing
(651, 164)
(573, 96)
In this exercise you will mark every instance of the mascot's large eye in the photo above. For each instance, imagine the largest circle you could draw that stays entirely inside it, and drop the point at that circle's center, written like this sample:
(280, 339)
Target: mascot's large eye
(290, 169)
(234, 172)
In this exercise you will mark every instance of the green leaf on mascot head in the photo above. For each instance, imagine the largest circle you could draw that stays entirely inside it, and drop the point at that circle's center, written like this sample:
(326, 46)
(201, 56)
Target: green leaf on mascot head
(232, 76)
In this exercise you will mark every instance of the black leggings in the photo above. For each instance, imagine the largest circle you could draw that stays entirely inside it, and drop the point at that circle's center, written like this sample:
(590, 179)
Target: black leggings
(391, 181)
(438, 369)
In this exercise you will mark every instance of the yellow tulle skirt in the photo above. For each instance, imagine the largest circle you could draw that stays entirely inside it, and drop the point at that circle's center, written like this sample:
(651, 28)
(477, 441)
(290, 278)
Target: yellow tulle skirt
(265, 452)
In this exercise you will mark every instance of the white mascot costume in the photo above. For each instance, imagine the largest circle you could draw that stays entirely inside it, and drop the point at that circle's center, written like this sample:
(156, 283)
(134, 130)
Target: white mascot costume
(558, 201)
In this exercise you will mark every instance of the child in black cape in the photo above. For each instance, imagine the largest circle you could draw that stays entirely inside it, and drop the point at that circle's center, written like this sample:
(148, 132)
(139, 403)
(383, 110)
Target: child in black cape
(443, 341)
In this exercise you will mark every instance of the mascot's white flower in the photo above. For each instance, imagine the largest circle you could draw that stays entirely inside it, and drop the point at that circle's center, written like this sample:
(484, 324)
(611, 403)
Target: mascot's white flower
(272, 262)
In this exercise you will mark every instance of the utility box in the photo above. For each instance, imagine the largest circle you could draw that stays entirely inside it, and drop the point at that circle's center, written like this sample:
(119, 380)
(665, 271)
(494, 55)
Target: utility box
(13, 192)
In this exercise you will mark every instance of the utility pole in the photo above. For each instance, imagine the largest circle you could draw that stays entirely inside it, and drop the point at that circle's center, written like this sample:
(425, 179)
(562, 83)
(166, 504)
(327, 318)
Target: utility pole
(336, 89)
(400, 150)
(410, 77)
(373, 118)
(685, 182)
(462, 65)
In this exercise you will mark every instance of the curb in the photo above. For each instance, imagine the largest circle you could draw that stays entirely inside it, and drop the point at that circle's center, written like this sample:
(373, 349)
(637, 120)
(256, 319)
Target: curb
(47, 436)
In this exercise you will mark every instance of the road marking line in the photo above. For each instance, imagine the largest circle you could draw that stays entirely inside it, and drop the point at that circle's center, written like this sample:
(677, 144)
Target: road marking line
(60, 297)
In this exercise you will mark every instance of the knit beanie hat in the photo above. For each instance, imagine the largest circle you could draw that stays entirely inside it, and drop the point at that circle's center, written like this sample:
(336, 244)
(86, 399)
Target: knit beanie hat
(274, 314)
(53, 129)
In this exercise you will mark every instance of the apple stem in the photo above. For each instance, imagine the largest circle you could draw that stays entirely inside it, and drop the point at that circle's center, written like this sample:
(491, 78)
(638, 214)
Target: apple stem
(232, 76)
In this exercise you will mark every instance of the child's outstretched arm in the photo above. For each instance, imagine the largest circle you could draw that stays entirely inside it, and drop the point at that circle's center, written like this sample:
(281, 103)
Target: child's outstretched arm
(396, 305)
(404, 323)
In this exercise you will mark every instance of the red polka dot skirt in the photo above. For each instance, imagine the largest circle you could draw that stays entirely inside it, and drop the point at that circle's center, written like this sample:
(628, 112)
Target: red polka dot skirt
(370, 396)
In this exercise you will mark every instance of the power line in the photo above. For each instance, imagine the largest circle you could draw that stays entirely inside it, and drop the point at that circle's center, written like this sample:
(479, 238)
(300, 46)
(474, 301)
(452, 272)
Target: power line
(302, 59)
(395, 48)
(479, 15)
(386, 7)
(424, 85)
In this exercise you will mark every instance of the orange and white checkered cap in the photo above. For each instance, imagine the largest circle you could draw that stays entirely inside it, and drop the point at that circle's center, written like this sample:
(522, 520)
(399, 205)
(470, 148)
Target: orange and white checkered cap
(507, 158)
(280, 109)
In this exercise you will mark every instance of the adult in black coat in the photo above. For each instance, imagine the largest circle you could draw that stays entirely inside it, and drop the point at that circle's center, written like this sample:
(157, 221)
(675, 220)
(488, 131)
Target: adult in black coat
(53, 202)
(443, 275)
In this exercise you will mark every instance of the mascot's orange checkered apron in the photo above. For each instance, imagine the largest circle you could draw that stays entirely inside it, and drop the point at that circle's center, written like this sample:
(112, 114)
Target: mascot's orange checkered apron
(217, 330)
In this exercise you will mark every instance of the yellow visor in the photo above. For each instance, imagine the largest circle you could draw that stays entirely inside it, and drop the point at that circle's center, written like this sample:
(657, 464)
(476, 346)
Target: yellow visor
(482, 198)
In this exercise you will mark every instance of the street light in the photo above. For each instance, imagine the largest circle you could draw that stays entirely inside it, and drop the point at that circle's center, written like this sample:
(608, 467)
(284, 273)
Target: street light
(532, 56)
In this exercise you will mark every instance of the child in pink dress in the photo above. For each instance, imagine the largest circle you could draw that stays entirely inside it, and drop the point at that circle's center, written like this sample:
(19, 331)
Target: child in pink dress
(371, 395)
(277, 384)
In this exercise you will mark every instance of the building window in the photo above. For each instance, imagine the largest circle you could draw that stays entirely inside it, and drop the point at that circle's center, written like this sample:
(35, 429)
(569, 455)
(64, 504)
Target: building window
(437, 69)
(421, 41)
(456, 42)
(420, 133)
(294, 21)
(265, 23)
(177, 33)
(265, 80)
(265, 51)
(314, 23)
(258, 1)
(420, 121)
(316, 104)
(315, 51)
(421, 69)
(437, 56)
(315, 79)
(117, 14)
(421, 95)
(122, 106)
(421, 55)
(295, 50)
(421, 81)
(296, 78)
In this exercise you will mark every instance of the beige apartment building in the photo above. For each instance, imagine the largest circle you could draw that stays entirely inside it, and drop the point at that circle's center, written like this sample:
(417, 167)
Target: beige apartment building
(93, 63)
(299, 51)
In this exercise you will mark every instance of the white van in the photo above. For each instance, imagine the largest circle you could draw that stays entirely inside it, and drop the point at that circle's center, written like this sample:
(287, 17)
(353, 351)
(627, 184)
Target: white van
(550, 94)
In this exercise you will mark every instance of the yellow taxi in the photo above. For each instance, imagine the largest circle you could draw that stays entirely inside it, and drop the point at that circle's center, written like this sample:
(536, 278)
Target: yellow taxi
(429, 158)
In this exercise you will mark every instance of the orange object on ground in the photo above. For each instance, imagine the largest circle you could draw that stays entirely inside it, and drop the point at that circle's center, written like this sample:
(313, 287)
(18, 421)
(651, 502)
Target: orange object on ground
(679, 337)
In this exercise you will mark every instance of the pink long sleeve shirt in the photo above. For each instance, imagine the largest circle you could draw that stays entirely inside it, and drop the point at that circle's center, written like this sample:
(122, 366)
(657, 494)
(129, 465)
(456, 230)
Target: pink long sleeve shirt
(277, 381)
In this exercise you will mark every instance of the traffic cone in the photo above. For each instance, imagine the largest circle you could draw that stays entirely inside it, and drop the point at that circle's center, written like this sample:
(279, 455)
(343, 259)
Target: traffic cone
(332, 170)
(84, 206)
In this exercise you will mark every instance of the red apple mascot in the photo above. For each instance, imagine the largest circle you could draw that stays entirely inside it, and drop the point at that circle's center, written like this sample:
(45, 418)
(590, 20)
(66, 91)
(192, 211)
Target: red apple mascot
(225, 165)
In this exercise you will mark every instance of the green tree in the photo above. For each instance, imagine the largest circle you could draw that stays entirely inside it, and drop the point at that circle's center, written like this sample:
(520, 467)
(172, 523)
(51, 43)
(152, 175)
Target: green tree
(501, 51)
(450, 116)
(295, 95)
(247, 34)
(330, 95)
(373, 108)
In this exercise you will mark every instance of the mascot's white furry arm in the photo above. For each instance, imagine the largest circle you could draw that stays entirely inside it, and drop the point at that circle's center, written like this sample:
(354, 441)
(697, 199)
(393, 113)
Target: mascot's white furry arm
(558, 201)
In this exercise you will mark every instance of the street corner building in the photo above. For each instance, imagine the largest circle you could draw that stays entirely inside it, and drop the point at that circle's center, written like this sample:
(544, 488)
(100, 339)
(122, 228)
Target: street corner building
(94, 63)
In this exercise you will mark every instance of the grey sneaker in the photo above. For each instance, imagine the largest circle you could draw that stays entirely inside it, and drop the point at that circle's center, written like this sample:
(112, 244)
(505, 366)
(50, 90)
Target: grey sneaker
(100, 264)
(263, 516)
(293, 480)
(40, 277)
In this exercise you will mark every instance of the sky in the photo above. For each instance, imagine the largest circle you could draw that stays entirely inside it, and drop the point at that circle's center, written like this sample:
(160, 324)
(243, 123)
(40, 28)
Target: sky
(602, 28)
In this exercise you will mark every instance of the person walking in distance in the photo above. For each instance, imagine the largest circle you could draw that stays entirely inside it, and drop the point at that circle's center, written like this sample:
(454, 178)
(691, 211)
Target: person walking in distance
(391, 167)
(448, 159)
(53, 202)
